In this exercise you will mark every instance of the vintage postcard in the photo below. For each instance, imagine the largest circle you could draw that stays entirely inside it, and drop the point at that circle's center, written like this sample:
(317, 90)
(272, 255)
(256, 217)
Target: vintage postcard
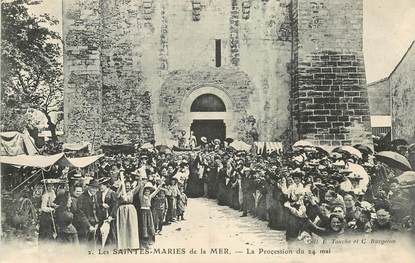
(207, 131)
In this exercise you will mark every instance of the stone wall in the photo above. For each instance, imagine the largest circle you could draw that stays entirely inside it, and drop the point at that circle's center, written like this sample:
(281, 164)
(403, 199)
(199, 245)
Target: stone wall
(179, 84)
(256, 48)
(331, 103)
(379, 97)
(130, 64)
(265, 56)
(402, 84)
(126, 117)
(82, 71)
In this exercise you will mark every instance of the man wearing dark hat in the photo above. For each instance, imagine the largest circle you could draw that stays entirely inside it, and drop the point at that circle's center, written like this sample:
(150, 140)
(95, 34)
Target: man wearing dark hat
(77, 190)
(87, 207)
(107, 204)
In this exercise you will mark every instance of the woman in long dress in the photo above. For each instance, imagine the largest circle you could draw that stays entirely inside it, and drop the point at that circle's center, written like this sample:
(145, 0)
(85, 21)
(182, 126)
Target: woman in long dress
(277, 211)
(47, 228)
(221, 179)
(211, 178)
(195, 183)
(127, 222)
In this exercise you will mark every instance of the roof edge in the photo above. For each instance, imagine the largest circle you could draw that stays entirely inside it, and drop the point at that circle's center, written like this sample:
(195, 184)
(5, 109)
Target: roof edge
(402, 59)
(395, 68)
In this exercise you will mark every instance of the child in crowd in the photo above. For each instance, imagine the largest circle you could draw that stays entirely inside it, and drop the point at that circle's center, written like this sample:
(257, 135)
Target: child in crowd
(181, 203)
(173, 189)
(159, 209)
(147, 222)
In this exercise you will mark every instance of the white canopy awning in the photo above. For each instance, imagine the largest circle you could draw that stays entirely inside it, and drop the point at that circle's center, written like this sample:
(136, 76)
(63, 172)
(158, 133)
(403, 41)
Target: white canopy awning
(42, 161)
(39, 161)
(80, 162)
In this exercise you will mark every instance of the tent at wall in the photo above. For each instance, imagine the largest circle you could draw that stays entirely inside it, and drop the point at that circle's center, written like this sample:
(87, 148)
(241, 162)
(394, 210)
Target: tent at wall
(15, 143)
(76, 147)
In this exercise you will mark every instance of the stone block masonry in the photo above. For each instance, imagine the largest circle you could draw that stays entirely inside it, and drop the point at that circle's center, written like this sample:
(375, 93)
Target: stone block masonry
(126, 117)
(105, 102)
(82, 71)
(330, 97)
(289, 69)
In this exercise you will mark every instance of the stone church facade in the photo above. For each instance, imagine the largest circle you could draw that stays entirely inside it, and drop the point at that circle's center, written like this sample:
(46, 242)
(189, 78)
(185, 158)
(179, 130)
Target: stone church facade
(268, 70)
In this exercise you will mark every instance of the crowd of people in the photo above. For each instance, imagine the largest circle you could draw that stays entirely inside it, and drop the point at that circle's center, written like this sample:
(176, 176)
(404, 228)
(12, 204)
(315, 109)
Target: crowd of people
(127, 199)
(306, 191)
(121, 207)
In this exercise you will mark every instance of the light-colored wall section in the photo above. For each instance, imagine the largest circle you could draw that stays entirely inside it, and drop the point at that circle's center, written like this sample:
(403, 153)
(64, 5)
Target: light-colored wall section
(379, 97)
(402, 84)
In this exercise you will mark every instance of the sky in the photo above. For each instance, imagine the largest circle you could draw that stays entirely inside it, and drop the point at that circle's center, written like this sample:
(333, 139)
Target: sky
(389, 29)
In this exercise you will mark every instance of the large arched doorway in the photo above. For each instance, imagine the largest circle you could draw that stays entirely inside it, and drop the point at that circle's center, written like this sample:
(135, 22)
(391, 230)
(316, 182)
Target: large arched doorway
(208, 111)
(208, 106)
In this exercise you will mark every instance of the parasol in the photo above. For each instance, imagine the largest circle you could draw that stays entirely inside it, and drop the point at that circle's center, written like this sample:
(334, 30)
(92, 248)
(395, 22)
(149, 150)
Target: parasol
(240, 146)
(229, 140)
(303, 143)
(163, 149)
(406, 178)
(360, 172)
(398, 142)
(394, 160)
(105, 229)
(147, 146)
(363, 148)
(349, 149)
(324, 149)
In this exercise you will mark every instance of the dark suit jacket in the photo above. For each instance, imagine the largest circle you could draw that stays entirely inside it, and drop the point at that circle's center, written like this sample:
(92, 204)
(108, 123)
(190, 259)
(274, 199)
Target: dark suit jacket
(111, 200)
(85, 213)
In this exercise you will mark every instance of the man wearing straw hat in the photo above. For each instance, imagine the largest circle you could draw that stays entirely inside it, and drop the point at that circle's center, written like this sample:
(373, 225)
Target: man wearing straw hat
(47, 228)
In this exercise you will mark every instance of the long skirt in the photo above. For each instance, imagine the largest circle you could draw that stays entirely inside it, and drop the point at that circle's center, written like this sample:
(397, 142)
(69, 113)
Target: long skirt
(212, 184)
(127, 227)
(147, 223)
(147, 227)
(222, 193)
(261, 210)
(294, 226)
(46, 229)
(251, 201)
(229, 195)
(194, 184)
(277, 213)
(172, 209)
(235, 198)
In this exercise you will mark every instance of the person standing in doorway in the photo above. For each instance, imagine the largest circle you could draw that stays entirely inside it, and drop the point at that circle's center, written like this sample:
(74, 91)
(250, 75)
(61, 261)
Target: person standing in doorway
(192, 141)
